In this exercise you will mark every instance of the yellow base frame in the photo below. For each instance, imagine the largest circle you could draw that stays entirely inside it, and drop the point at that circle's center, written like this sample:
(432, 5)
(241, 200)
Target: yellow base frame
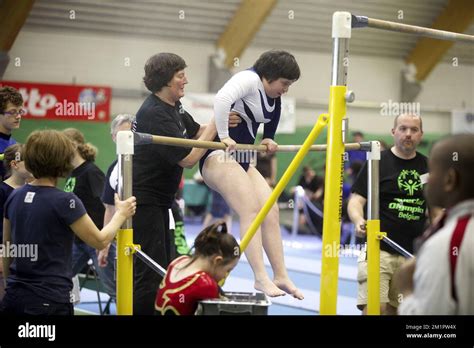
(332, 202)
(125, 272)
(332, 211)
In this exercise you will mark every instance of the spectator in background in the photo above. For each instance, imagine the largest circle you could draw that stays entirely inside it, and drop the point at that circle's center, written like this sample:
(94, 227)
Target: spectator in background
(106, 256)
(17, 177)
(310, 212)
(86, 181)
(357, 155)
(311, 183)
(350, 177)
(219, 210)
(11, 110)
(402, 207)
(266, 164)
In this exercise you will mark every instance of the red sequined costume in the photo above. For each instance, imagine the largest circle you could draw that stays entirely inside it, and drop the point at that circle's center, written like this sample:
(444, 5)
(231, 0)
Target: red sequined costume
(182, 297)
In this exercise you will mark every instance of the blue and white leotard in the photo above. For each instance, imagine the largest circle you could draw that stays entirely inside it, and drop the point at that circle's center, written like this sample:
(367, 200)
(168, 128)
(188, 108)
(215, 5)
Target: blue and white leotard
(244, 93)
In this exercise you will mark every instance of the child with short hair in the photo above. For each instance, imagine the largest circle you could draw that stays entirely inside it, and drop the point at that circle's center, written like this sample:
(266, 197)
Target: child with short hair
(190, 279)
(45, 219)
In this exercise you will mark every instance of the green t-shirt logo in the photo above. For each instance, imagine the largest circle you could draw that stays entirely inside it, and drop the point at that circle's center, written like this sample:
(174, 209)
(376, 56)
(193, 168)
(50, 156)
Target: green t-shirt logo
(70, 184)
(409, 181)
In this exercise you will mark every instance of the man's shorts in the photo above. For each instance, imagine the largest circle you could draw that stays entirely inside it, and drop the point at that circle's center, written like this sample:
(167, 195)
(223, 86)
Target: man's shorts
(389, 264)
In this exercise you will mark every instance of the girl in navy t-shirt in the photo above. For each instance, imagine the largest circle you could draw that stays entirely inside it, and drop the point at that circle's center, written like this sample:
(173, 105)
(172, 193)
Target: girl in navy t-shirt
(40, 220)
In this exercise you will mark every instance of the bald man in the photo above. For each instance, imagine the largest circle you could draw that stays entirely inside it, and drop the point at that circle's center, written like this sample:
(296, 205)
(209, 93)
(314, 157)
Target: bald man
(402, 207)
(443, 281)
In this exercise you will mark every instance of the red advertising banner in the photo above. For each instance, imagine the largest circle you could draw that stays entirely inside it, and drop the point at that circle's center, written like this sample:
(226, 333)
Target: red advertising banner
(64, 102)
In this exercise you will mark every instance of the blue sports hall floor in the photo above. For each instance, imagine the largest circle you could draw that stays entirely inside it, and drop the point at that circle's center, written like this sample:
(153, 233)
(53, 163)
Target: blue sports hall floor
(303, 260)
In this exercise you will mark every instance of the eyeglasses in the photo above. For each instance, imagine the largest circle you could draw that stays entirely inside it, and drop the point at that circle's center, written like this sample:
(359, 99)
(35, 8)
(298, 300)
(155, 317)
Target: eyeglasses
(20, 112)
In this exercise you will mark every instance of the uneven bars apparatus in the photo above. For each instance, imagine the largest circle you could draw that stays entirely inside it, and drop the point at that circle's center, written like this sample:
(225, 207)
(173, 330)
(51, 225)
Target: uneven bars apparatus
(338, 97)
(362, 22)
(126, 140)
(342, 25)
(144, 139)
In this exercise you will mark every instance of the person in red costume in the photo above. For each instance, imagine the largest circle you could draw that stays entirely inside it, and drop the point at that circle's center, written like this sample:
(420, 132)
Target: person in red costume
(190, 279)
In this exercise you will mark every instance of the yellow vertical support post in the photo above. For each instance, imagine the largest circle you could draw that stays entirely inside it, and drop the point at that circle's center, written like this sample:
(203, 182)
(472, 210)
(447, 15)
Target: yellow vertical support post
(332, 202)
(290, 171)
(124, 272)
(125, 151)
(341, 33)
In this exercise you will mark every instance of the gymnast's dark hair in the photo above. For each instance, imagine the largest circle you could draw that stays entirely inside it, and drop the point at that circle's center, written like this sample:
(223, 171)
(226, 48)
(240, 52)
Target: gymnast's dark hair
(274, 64)
(214, 240)
(160, 69)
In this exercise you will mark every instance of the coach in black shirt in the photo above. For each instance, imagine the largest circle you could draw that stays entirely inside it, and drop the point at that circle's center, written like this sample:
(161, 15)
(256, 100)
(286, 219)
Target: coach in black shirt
(157, 169)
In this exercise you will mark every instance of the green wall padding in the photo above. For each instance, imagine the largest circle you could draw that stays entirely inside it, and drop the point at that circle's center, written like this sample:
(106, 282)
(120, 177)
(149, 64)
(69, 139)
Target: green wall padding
(317, 159)
(96, 133)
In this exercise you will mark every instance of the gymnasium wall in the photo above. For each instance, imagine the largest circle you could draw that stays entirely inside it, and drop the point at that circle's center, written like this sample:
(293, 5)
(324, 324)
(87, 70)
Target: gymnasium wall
(71, 57)
(96, 133)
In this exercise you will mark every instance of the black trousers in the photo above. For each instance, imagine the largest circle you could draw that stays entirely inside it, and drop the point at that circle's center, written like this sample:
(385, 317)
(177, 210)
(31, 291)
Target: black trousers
(151, 231)
(19, 300)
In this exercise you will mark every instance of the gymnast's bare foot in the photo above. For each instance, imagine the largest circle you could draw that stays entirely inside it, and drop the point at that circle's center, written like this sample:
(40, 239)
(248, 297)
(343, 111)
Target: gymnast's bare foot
(287, 285)
(268, 287)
